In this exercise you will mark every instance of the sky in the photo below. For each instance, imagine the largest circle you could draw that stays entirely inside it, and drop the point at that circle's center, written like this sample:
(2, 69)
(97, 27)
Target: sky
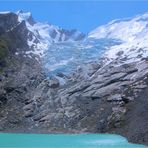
(84, 15)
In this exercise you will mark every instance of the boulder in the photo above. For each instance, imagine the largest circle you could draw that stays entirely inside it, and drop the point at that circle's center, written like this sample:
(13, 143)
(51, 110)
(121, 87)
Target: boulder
(115, 97)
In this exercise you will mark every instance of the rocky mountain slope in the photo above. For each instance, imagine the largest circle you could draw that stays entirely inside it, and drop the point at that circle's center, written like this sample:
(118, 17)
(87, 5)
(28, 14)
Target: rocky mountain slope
(19, 73)
(106, 95)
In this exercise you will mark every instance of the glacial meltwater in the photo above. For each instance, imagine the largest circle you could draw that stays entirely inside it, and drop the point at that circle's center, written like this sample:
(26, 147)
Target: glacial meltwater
(65, 141)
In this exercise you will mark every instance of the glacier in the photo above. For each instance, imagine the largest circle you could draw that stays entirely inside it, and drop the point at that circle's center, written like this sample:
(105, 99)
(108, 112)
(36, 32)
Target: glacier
(68, 56)
(61, 50)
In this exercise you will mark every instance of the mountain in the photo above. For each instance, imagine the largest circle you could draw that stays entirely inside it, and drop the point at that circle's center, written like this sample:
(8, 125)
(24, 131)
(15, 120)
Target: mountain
(124, 29)
(132, 32)
(122, 41)
(20, 73)
(64, 83)
(45, 34)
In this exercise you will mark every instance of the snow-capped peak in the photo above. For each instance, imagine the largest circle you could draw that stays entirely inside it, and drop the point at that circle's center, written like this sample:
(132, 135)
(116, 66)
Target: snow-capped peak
(46, 34)
(26, 16)
(5, 12)
(133, 32)
(23, 15)
(126, 29)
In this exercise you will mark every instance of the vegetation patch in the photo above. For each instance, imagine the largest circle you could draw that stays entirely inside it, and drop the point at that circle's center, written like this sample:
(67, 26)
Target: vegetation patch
(3, 49)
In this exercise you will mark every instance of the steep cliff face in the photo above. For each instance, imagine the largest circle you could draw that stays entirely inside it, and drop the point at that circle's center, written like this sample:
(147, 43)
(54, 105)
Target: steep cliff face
(19, 74)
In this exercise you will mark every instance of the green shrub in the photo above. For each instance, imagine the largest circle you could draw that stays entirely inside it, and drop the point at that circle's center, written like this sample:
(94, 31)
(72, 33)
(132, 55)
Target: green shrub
(3, 49)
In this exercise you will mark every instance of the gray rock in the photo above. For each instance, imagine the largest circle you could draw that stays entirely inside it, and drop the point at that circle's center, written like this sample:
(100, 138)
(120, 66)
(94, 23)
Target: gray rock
(140, 86)
(8, 21)
(53, 83)
(115, 119)
(3, 97)
(107, 90)
(116, 97)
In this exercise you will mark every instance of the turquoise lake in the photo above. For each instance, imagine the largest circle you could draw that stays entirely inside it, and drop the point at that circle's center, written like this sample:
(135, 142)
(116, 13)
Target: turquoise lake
(65, 141)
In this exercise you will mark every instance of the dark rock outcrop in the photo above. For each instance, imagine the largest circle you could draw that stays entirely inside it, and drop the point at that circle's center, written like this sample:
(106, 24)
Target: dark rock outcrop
(20, 75)
(8, 21)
